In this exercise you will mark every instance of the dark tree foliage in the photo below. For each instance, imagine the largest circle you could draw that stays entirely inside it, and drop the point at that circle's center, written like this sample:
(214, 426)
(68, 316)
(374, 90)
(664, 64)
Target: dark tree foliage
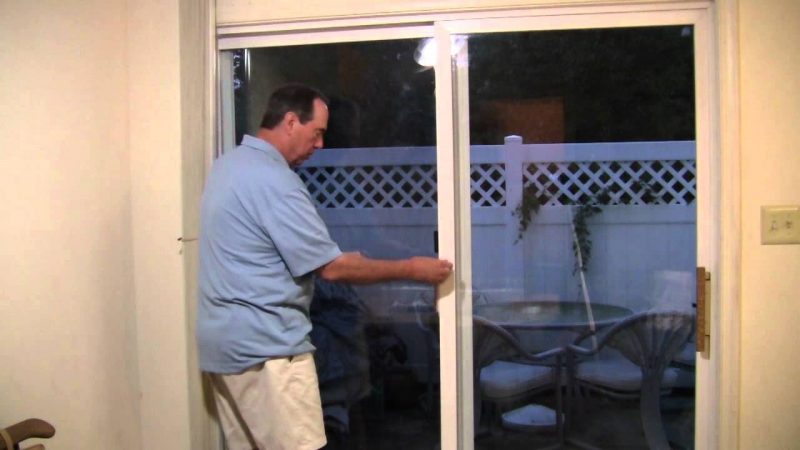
(616, 85)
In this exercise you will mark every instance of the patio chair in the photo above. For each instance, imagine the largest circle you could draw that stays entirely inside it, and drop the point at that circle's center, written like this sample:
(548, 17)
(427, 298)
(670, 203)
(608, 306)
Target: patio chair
(649, 341)
(11, 437)
(506, 374)
(424, 309)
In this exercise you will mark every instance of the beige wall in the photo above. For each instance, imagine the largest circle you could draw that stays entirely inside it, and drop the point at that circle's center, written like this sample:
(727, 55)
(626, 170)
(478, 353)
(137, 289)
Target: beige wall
(156, 199)
(770, 99)
(67, 322)
(94, 319)
(169, 92)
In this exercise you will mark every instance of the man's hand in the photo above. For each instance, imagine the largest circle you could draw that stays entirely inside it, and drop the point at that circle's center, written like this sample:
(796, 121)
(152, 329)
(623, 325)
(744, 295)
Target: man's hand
(429, 270)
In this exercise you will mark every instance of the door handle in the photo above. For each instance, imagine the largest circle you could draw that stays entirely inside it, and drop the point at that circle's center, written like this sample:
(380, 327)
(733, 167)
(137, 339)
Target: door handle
(703, 330)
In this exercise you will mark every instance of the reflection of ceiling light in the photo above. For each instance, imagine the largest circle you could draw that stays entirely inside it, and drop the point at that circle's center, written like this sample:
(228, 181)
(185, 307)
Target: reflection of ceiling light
(425, 54)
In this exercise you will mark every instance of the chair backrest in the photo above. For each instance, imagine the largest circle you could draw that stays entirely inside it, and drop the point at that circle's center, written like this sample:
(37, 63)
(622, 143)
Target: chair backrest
(489, 343)
(650, 339)
(492, 342)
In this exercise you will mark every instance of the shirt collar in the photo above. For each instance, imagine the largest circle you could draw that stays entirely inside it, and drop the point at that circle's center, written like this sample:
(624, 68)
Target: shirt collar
(264, 146)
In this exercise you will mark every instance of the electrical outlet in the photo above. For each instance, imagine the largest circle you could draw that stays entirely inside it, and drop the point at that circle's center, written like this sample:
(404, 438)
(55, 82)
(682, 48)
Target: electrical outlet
(780, 224)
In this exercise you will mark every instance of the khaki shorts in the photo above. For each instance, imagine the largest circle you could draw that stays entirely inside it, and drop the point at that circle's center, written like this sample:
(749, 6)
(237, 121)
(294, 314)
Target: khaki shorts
(271, 406)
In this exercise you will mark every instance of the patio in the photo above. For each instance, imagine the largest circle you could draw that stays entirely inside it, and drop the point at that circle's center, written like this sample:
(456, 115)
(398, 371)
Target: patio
(608, 424)
(394, 402)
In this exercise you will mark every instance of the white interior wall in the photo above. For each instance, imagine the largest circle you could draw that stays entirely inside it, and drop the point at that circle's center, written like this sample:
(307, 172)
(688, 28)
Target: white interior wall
(166, 93)
(67, 317)
(155, 148)
(94, 335)
(770, 103)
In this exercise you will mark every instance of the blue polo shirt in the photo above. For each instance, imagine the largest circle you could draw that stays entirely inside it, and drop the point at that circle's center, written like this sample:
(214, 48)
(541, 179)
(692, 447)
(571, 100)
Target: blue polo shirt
(261, 238)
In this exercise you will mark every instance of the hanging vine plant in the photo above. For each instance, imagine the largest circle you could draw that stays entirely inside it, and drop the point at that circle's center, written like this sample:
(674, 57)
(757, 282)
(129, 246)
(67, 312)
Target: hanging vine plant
(533, 199)
(583, 234)
(528, 207)
(589, 206)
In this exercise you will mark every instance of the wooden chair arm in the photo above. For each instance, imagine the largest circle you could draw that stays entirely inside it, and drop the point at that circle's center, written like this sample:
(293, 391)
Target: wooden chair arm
(30, 428)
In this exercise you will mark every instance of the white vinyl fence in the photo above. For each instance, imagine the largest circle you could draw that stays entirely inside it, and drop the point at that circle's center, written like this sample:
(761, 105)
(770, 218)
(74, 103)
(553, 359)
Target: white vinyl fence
(382, 201)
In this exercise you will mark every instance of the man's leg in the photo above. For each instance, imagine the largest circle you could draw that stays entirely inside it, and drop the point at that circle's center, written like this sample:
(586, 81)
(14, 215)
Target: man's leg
(275, 405)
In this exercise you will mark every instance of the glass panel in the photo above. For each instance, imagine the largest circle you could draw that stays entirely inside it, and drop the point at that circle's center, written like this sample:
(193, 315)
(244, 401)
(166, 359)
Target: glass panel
(375, 186)
(582, 163)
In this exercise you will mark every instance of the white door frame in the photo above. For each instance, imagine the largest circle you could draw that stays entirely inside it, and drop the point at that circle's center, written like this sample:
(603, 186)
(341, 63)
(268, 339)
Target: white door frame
(715, 48)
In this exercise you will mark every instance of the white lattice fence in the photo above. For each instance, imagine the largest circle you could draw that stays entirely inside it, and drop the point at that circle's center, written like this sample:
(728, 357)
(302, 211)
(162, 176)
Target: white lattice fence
(396, 186)
(662, 182)
(488, 181)
(564, 175)
(372, 186)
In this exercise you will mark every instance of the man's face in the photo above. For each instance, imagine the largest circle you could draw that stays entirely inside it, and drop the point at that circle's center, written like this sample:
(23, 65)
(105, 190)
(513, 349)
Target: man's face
(306, 138)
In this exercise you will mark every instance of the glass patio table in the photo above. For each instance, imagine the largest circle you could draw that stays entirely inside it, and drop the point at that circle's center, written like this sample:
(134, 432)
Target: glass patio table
(551, 315)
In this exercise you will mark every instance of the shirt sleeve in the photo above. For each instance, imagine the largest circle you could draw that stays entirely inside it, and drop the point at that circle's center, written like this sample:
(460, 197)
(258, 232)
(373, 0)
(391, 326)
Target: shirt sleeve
(300, 235)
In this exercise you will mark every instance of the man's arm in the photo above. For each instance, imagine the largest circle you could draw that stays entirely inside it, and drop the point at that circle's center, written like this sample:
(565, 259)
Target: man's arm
(355, 268)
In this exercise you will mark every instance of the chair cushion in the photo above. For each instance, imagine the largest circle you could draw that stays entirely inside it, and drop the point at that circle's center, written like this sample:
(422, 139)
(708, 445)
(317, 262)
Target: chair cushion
(619, 374)
(530, 417)
(502, 379)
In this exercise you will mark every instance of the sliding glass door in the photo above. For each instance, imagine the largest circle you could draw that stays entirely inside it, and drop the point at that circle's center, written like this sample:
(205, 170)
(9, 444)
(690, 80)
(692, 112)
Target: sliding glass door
(561, 161)
(375, 186)
(582, 173)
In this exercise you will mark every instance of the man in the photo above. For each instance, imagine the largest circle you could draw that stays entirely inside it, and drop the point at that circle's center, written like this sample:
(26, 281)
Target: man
(261, 244)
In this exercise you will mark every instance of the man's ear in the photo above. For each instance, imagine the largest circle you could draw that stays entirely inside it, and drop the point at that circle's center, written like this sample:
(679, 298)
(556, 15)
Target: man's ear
(290, 119)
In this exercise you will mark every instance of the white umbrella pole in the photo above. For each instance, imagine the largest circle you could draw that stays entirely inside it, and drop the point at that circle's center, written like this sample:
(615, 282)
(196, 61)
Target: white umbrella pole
(584, 288)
